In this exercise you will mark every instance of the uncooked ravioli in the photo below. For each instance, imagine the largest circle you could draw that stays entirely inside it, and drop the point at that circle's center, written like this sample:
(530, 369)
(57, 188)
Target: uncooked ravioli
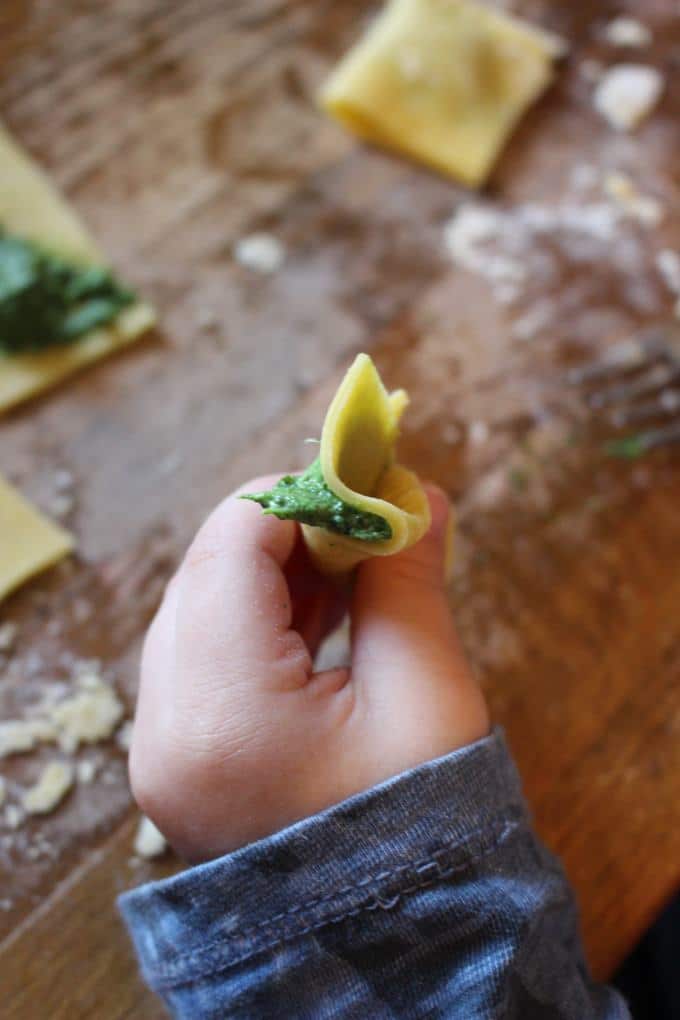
(443, 81)
(29, 543)
(365, 486)
(31, 208)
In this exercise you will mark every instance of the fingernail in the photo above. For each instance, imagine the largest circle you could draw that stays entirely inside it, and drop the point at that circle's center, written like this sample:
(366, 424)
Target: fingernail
(450, 545)
(443, 526)
(439, 509)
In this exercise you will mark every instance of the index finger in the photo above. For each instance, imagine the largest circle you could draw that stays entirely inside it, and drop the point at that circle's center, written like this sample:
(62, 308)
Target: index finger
(234, 608)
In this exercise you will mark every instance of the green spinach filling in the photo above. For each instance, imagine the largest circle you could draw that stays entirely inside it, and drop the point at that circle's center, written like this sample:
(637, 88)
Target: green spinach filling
(46, 301)
(307, 498)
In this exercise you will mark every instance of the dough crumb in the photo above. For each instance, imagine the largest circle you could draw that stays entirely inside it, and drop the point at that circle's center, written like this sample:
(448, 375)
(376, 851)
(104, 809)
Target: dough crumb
(86, 770)
(90, 715)
(668, 264)
(478, 433)
(14, 816)
(627, 93)
(622, 190)
(55, 781)
(17, 735)
(262, 253)
(8, 636)
(124, 735)
(625, 31)
(61, 504)
(149, 841)
(62, 480)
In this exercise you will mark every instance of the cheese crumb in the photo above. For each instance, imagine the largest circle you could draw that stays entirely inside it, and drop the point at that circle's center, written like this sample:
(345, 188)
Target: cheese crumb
(627, 32)
(263, 253)
(88, 716)
(56, 779)
(149, 841)
(627, 93)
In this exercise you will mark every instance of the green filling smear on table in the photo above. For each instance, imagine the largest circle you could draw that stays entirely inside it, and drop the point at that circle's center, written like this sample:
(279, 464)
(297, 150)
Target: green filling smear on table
(307, 498)
(46, 301)
(628, 448)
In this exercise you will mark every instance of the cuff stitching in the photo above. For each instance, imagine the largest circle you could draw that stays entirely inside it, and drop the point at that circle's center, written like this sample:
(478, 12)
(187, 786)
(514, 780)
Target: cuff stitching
(426, 871)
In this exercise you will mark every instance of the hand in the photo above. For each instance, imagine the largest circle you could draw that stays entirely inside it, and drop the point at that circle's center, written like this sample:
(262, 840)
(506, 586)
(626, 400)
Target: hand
(235, 736)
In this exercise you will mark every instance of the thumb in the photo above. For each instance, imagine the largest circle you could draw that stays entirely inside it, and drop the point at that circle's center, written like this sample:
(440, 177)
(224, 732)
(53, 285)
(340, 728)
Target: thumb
(406, 652)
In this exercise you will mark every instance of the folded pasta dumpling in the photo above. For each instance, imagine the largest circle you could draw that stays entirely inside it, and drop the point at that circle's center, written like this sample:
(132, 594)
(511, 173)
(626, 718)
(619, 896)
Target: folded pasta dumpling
(46, 254)
(444, 81)
(355, 501)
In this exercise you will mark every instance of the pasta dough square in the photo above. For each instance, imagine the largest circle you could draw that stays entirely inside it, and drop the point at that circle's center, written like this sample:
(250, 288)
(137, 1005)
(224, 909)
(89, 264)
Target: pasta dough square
(29, 543)
(31, 208)
(444, 81)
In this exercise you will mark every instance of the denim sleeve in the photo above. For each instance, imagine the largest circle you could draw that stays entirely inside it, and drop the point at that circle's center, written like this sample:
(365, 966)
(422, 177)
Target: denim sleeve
(427, 896)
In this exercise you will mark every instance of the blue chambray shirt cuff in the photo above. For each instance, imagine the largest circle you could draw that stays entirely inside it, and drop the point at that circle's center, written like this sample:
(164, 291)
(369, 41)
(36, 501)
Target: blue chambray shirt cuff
(363, 854)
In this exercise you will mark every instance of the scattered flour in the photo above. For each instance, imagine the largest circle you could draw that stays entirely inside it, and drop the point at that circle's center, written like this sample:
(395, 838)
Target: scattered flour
(478, 433)
(536, 318)
(8, 636)
(467, 236)
(591, 70)
(14, 816)
(514, 248)
(644, 208)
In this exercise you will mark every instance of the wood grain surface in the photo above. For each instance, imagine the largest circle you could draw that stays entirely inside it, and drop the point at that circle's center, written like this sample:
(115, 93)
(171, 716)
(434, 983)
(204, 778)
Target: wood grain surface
(178, 126)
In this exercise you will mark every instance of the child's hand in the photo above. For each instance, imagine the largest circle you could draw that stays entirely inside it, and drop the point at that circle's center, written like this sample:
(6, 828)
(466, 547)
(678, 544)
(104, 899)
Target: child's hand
(235, 737)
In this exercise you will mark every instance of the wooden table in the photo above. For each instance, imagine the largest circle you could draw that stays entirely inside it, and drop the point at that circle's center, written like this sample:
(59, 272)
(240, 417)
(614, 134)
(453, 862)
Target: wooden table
(178, 126)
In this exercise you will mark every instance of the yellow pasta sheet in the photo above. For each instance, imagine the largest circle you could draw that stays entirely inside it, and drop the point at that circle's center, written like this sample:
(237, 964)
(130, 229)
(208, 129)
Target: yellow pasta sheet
(30, 207)
(29, 543)
(443, 81)
(358, 464)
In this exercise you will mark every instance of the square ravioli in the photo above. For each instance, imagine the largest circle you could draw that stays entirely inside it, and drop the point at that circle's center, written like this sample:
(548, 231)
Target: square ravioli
(32, 209)
(29, 543)
(443, 81)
